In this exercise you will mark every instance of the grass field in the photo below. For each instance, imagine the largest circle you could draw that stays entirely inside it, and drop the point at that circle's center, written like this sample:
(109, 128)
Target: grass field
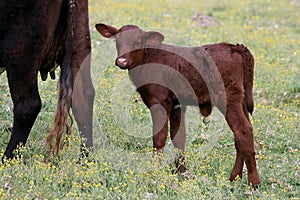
(122, 166)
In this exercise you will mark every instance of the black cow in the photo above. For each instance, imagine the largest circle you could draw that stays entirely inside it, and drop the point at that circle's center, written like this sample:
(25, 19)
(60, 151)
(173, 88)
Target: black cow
(37, 36)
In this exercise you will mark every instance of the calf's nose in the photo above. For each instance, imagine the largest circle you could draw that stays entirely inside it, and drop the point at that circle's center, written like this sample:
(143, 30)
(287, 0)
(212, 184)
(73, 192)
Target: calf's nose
(121, 62)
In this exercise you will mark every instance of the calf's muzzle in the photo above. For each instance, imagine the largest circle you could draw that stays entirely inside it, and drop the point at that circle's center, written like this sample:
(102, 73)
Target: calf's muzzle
(122, 62)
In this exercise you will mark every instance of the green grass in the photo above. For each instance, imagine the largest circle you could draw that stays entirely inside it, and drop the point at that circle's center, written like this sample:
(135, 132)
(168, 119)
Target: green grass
(122, 166)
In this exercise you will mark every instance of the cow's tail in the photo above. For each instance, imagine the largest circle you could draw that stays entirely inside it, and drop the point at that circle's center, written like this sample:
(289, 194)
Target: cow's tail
(61, 124)
(248, 64)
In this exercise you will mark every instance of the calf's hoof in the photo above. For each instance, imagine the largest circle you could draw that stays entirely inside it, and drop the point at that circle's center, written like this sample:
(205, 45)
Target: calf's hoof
(180, 169)
(255, 187)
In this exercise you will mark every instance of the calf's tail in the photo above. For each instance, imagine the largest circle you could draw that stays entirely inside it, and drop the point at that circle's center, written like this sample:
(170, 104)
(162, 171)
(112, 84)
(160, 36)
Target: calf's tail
(248, 63)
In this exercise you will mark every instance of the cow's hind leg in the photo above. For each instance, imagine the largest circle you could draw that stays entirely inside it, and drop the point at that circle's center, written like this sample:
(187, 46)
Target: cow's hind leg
(82, 102)
(178, 135)
(83, 91)
(244, 143)
(27, 105)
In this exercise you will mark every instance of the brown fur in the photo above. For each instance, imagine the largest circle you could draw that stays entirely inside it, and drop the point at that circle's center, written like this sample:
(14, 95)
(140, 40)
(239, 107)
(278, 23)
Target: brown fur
(174, 77)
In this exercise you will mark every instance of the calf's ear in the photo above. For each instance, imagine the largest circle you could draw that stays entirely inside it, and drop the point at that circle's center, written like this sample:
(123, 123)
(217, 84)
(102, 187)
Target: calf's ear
(106, 31)
(153, 38)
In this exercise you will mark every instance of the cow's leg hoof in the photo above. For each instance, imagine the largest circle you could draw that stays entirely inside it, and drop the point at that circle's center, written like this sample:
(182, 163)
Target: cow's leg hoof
(6, 157)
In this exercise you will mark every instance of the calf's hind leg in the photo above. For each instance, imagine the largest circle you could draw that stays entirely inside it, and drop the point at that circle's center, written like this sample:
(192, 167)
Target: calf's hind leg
(239, 162)
(244, 143)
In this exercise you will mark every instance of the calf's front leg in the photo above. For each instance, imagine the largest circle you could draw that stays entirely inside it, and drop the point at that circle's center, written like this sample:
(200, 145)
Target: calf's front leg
(159, 126)
(178, 136)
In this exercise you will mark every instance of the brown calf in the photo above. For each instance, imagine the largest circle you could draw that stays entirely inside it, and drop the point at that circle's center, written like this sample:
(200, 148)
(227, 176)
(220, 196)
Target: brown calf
(169, 78)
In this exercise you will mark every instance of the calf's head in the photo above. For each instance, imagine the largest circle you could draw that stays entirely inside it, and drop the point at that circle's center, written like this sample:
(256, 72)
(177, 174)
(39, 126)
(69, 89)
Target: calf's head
(131, 43)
